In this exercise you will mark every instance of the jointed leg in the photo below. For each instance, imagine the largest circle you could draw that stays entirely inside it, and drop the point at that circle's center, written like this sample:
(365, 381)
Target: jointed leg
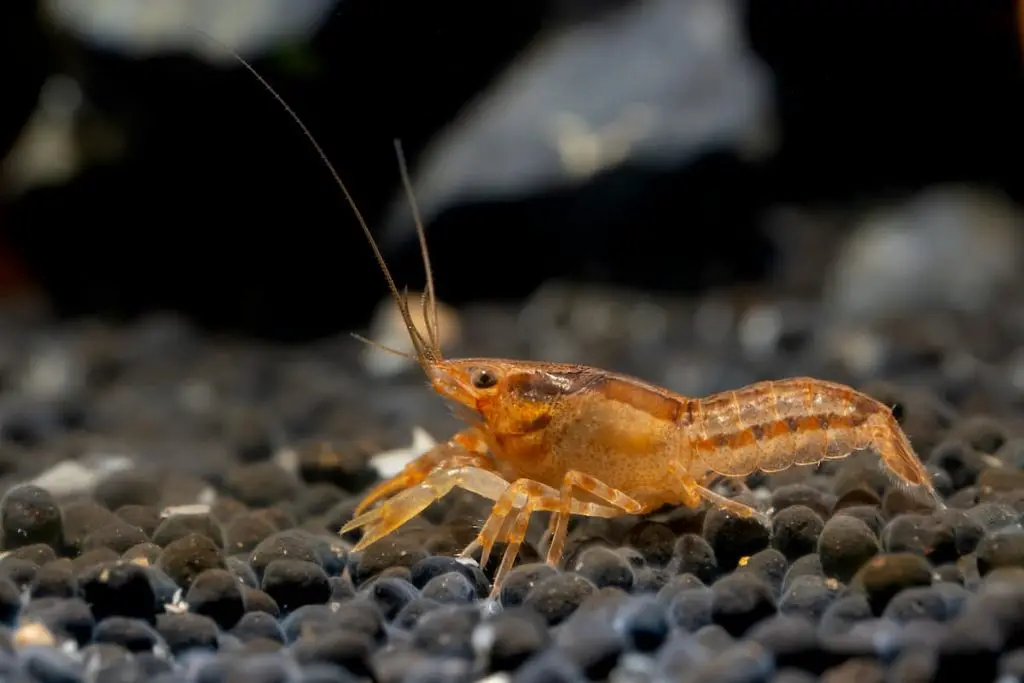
(465, 442)
(470, 472)
(516, 497)
(692, 492)
(595, 487)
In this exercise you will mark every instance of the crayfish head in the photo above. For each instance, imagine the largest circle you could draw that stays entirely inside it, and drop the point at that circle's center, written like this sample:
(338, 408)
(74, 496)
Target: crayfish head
(509, 397)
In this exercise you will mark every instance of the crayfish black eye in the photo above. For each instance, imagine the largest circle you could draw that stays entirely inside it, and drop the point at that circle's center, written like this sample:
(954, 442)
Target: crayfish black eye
(484, 379)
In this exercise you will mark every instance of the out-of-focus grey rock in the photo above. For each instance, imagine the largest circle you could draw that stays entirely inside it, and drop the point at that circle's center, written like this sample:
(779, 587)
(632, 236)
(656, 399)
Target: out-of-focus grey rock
(144, 27)
(952, 247)
(658, 82)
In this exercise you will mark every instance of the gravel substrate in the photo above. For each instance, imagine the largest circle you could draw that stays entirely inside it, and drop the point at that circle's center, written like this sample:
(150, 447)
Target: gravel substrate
(169, 514)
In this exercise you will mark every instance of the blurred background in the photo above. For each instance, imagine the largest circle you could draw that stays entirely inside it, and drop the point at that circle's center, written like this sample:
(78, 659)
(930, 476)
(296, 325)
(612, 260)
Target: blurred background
(702, 193)
(769, 169)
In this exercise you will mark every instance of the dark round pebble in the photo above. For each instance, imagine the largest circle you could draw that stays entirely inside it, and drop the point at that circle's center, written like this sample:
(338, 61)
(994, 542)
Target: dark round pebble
(80, 518)
(294, 583)
(118, 536)
(257, 601)
(143, 554)
(733, 537)
(37, 553)
(391, 594)
(55, 579)
(261, 484)
(521, 580)
(808, 596)
(1001, 549)
(959, 460)
(644, 623)
(845, 544)
(447, 631)
(789, 495)
(741, 600)
(511, 638)
(119, 589)
(217, 593)
(604, 567)
(556, 597)
(397, 551)
(410, 614)
(869, 514)
(654, 541)
(450, 588)
(926, 535)
(694, 555)
(134, 635)
(843, 613)
(795, 531)
(68, 618)
(187, 631)
(21, 572)
(177, 527)
(128, 487)
(188, 557)
(436, 565)
(145, 517)
(28, 515)
(691, 610)
(769, 565)
(281, 545)
(347, 649)
(255, 625)
(884, 576)
(246, 531)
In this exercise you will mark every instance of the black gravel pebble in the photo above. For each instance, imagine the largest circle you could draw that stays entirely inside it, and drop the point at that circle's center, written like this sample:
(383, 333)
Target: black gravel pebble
(845, 544)
(145, 517)
(391, 595)
(118, 536)
(119, 589)
(447, 631)
(884, 576)
(69, 618)
(133, 635)
(255, 625)
(28, 515)
(217, 593)
(692, 609)
(732, 537)
(188, 557)
(808, 596)
(510, 638)
(769, 565)
(261, 484)
(349, 650)
(789, 495)
(604, 567)
(294, 583)
(741, 600)
(521, 580)
(1001, 549)
(959, 460)
(694, 555)
(177, 527)
(795, 531)
(55, 579)
(187, 631)
(558, 596)
(450, 588)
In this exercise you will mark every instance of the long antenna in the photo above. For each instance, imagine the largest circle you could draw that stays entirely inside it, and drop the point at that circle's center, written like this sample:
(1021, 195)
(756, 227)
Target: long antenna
(427, 352)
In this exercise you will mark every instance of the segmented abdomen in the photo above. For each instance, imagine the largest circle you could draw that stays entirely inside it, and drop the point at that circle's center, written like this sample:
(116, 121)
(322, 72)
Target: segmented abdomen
(771, 426)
